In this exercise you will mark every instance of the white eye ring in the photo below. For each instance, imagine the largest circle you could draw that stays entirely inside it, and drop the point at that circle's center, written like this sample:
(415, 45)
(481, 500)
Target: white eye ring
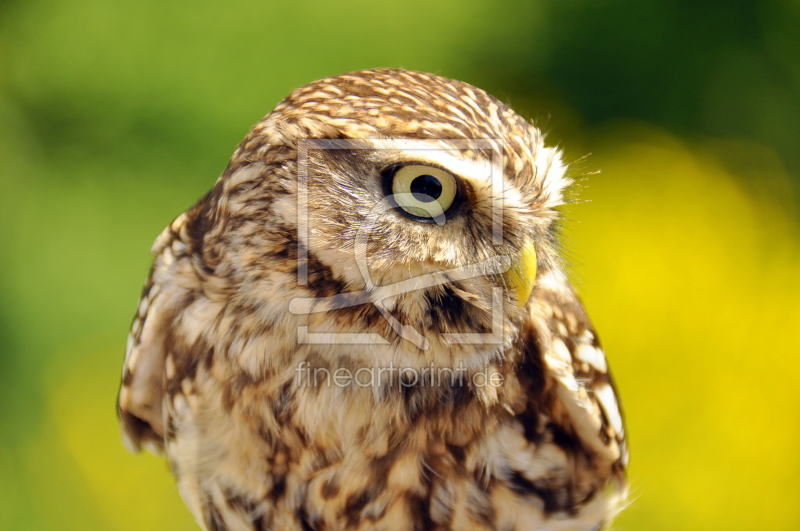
(423, 192)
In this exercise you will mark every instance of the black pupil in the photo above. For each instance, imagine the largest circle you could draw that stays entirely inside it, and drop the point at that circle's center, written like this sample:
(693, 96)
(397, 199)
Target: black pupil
(426, 188)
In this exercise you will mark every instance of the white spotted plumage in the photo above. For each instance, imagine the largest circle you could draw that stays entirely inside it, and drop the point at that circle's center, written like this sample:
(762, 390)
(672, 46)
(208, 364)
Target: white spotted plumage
(215, 366)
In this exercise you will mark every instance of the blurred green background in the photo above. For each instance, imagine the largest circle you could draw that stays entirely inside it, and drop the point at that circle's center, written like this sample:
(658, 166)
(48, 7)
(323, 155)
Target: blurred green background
(116, 116)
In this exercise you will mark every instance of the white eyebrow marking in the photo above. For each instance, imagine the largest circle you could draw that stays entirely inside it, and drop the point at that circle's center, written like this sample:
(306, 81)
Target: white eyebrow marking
(478, 171)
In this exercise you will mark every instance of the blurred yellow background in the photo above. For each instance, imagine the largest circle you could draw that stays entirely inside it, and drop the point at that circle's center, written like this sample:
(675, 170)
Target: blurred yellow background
(115, 117)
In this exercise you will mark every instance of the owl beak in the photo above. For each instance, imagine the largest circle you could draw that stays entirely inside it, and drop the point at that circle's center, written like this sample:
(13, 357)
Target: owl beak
(521, 276)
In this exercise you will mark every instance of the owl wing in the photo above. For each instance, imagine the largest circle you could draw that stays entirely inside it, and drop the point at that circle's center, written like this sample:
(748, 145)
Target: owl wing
(572, 354)
(140, 402)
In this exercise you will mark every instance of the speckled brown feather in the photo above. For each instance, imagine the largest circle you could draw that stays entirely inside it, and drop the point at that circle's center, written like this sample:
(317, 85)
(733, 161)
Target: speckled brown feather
(211, 371)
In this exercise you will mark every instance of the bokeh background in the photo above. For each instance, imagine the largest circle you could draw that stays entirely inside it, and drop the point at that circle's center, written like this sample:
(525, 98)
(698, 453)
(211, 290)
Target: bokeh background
(116, 116)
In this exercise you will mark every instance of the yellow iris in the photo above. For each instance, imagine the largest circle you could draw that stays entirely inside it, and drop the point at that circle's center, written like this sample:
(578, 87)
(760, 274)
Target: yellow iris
(424, 191)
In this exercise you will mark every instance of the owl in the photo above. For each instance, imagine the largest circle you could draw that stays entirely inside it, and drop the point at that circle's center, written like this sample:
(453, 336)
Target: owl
(366, 325)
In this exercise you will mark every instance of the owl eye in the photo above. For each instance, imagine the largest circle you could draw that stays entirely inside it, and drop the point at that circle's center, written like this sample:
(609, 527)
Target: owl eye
(422, 192)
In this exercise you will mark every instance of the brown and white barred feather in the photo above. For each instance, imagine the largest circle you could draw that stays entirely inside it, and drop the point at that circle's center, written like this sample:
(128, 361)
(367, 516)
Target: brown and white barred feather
(210, 373)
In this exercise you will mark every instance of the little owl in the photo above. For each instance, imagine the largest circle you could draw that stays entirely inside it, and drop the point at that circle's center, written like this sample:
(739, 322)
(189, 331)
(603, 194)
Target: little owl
(366, 324)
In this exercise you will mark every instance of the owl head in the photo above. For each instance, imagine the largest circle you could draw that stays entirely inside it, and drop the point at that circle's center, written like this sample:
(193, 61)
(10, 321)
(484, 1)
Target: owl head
(419, 194)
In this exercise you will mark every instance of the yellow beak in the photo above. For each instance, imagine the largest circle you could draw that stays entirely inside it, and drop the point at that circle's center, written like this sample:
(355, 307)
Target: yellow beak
(521, 276)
